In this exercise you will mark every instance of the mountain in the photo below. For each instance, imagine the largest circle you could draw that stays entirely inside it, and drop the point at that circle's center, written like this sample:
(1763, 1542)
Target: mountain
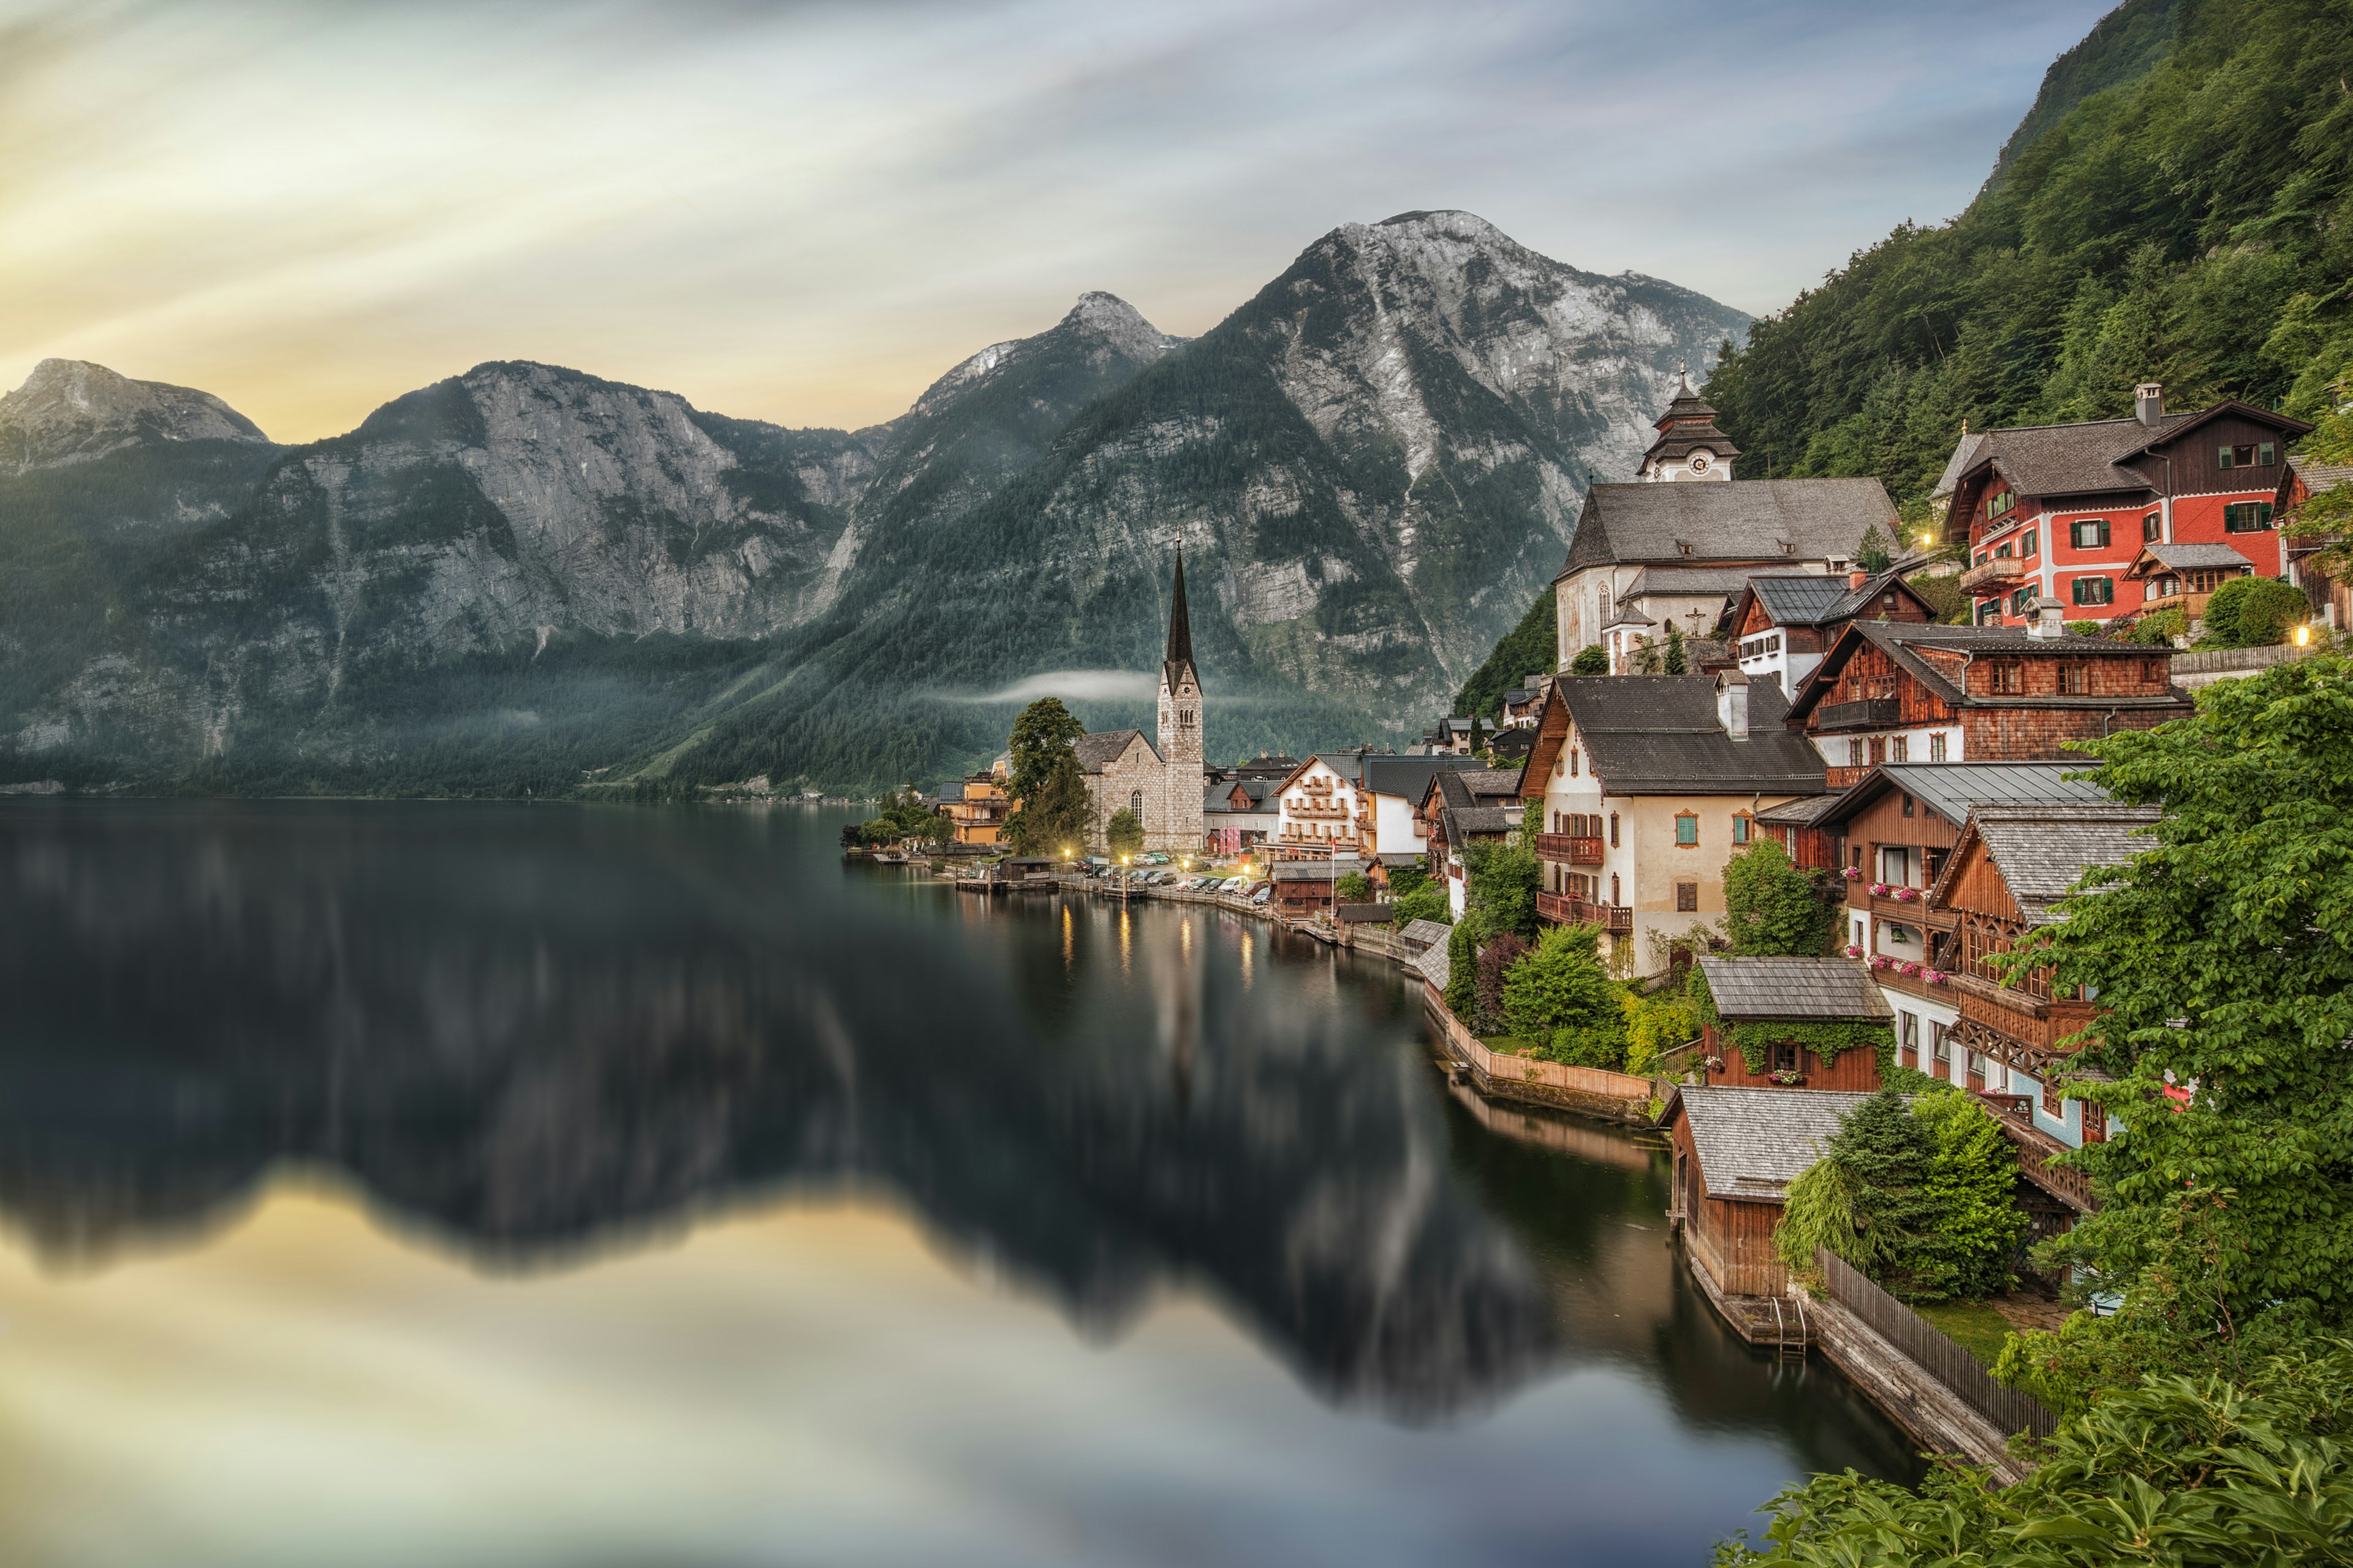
(2177, 208)
(527, 577)
(1375, 463)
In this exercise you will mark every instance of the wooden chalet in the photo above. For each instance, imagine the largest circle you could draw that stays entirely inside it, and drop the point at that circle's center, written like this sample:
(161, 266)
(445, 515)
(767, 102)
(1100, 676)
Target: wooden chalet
(1897, 693)
(2059, 512)
(1794, 991)
(1460, 808)
(1784, 622)
(2332, 598)
(2184, 576)
(1736, 1153)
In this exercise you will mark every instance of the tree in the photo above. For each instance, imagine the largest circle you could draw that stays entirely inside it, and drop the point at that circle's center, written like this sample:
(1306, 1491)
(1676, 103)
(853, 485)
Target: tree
(1771, 907)
(1871, 552)
(1462, 977)
(2222, 959)
(1123, 833)
(1058, 816)
(1972, 1191)
(2254, 612)
(1426, 902)
(1872, 1206)
(1355, 887)
(1041, 736)
(1647, 655)
(1591, 659)
(1500, 879)
(1532, 644)
(1044, 819)
(1497, 954)
(1559, 993)
(2325, 517)
(1677, 659)
(906, 818)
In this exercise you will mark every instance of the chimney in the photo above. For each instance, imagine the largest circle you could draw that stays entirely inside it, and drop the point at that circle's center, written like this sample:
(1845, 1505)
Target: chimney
(1857, 578)
(2050, 619)
(1732, 703)
(2148, 401)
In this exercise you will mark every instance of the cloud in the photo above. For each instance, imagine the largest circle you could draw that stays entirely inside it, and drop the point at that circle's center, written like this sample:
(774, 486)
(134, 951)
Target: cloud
(1077, 686)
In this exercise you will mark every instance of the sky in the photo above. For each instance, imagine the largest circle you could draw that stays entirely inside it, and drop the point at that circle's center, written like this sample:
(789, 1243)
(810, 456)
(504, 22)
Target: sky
(807, 212)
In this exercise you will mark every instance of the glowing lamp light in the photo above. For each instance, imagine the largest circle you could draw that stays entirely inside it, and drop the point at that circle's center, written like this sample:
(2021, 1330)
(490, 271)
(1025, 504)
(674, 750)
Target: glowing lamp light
(2304, 636)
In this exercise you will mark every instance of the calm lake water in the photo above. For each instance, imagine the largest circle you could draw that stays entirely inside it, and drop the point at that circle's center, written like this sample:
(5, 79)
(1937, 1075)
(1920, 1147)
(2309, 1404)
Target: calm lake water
(455, 1184)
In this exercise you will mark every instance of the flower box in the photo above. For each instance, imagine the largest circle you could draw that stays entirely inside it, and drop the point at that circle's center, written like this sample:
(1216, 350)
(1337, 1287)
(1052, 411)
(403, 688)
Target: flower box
(1911, 971)
(1852, 950)
(1787, 1080)
(1880, 961)
(1879, 890)
(1906, 895)
(1852, 874)
(1936, 977)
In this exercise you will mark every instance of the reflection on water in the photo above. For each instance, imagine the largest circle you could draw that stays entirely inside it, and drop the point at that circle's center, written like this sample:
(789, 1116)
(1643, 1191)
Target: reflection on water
(635, 1055)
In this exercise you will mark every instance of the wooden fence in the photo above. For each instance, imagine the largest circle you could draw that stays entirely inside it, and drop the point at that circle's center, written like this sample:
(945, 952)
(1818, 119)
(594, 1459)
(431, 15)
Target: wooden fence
(1948, 1362)
(1527, 1069)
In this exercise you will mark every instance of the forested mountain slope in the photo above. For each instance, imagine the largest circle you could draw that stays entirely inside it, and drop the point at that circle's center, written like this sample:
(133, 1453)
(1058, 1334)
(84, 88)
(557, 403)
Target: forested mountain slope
(2192, 225)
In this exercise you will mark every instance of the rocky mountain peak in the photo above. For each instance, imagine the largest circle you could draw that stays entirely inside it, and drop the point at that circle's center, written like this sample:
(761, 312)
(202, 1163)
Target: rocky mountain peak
(70, 411)
(1113, 319)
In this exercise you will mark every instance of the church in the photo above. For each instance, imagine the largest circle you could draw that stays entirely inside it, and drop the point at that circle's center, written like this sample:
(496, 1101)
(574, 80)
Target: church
(1163, 784)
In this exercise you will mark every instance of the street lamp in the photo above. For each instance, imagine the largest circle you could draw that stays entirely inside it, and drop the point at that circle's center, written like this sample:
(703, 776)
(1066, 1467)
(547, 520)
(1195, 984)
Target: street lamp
(1122, 884)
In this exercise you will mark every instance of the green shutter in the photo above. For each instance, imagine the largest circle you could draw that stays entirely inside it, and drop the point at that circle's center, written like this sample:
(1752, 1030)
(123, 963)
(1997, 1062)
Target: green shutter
(2222, 456)
(2267, 455)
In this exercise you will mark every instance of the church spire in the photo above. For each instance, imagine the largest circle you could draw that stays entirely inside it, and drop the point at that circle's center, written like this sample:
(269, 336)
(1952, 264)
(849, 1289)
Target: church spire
(1181, 626)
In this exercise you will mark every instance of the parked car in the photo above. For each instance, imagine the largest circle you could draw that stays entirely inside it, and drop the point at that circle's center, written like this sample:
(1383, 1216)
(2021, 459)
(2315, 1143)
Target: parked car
(1265, 892)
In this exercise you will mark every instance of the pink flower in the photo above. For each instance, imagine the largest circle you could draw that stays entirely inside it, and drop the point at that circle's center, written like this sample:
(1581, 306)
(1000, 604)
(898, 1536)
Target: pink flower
(1907, 894)
(1851, 875)
(1852, 950)
(1936, 977)
(1911, 968)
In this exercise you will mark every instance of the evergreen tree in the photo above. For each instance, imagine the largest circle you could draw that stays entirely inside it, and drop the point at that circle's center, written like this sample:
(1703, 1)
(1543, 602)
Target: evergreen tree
(1123, 833)
(1057, 816)
(1591, 659)
(1676, 660)
(1871, 552)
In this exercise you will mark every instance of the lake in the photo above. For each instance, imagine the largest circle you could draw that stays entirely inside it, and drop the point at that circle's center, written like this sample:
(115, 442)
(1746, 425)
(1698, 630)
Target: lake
(392, 1183)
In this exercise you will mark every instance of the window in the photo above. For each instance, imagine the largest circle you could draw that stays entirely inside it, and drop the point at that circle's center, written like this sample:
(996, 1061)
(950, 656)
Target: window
(1942, 1047)
(1135, 804)
(2254, 455)
(2021, 600)
(1605, 606)
(1572, 761)
(1773, 643)
(2027, 545)
(1908, 808)
(2152, 527)
(1855, 754)
(1899, 749)
(1613, 888)
(2088, 534)
(1740, 828)
(2001, 503)
(1878, 751)
(2005, 678)
(2075, 680)
(1687, 828)
(1687, 897)
(1911, 1038)
(2095, 590)
(1613, 819)
(2005, 551)
(1785, 1056)
(1937, 747)
(2247, 517)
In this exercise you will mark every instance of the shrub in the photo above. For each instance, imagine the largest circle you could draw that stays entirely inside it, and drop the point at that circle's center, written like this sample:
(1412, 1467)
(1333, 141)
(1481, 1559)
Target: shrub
(1591, 659)
(1123, 833)
(1560, 984)
(1970, 1187)
(2159, 629)
(1496, 960)
(2254, 612)
(1463, 978)
(1426, 902)
(1355, 887)
(1770, 906)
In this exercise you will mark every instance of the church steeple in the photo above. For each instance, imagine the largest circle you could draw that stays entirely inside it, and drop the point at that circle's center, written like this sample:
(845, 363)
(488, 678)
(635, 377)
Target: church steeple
(1180, 681)
(1689, 446)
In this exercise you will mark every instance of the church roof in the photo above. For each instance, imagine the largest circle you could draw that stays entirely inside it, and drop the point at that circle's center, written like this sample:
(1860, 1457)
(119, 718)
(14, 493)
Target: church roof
(1776, 522)
(1104, 747)
(1688, 426)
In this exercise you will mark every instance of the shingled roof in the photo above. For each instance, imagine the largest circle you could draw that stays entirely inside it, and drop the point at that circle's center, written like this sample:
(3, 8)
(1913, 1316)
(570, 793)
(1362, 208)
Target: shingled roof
(1952, 790)
(2042, 851)
(1659, 734)
(1420, 935)
(1433, 965)
(1793, 989)
(1410, 777)
(1753, 1142)
(1739, 520)
(2190, 557)
(1104, 747)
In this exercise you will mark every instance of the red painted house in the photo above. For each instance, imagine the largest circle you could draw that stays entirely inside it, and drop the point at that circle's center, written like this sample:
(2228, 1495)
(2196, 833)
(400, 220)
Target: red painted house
(2062, 512)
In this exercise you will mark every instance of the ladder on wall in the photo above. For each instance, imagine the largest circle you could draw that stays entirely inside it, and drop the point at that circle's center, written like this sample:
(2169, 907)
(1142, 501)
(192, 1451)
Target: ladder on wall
(1790, 1329)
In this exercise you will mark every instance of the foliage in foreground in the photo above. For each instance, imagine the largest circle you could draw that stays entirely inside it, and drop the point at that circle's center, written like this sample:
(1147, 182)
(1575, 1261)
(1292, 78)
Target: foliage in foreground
(2184, 1472)
(1772, 907)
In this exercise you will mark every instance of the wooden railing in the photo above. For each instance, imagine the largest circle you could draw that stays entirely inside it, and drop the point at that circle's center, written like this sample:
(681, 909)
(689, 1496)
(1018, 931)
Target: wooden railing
(1570, 848)
(1948, 1363)
(1845, 778)
(2036, 1149)
(1560, 907)
(1992, 574)
(1863, 713)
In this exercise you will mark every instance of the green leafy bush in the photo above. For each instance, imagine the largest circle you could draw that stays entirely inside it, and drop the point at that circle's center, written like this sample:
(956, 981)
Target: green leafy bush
(1427, 902)
(1972, 1189)
(1560, 984)
(2254, 612)
(1591, 659)
(2181, 1472)
(1771, 907)
(1355, 887)
(1123, 832)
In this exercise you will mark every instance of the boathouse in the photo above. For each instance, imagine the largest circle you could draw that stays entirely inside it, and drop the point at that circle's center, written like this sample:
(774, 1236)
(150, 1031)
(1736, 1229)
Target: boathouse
(1788, 1008)
(1736, 1151)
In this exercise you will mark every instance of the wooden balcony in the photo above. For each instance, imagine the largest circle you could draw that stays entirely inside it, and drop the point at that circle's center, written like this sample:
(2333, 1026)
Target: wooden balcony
(1568, 848)
(1910, 911)
(1846, 778)
(1316, 811)
(1864, 713)
(1993, 577)
(1562, 909)
(2037, 1150)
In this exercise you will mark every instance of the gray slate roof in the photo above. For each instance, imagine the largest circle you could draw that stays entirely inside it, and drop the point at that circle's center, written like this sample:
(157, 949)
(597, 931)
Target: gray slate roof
(1725, 580)
(1659, 734)
(1737, 520)
(2043, 851)
(1753, 1142)
(2186, 557)
(1952, 789)
(2073, 460)
(1462, 787)
(1965, 455)
(1433, 965)
(2320, 477)
(1104, 747)
(1420, 935)
(1898, 638)
(1216, 799)
(1312, 871)
(1793, 989)
(1798, 598)
(1410, 776)
(1802, 812)
(1465, 823)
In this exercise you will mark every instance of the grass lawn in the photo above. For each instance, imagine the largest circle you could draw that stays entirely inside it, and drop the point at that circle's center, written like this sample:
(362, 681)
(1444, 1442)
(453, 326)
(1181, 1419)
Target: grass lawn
(1975, 1326)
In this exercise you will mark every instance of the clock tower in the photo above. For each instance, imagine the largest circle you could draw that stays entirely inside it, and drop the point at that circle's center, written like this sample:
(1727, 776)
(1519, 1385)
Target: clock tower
(1689, 445)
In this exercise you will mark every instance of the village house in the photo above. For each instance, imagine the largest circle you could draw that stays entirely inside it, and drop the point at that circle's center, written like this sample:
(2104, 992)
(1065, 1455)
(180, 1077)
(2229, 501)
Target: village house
(1656, 553)
(978, 806)
(2332, 599)
(1783, 622)
(1736, 1153)
(1321, 810)
(1896, 830)
(1463, 807)
(1161, 783)
(1303, 888)
(1647, 785)
(1891, 693)
(1759, 996)
(1239, 814)
(1394, 788)
(1453, 737)
(1524, 704)
(2060, 512)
